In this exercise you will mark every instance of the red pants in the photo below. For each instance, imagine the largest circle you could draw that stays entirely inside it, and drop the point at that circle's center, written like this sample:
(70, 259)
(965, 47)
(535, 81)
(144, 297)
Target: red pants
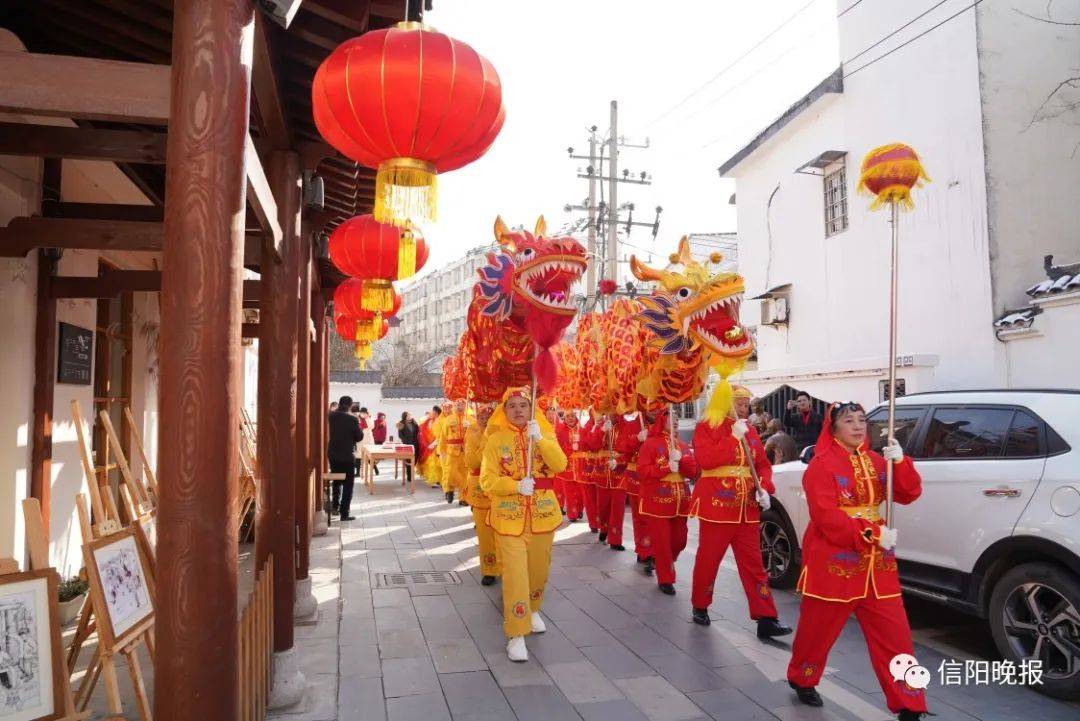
(604, 499)
(617, 507)
(637, 521)
(559, 484)
(588, 495)
(884, 623)
(668, 540)
(713, 542)
(574, 499)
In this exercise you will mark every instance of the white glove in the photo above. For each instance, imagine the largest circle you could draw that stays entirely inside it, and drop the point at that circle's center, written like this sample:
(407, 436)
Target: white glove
(607, 425)
(673, 465)
(676, 455)
(612, 464)
(887, 540)
(526, 486)
(642, 435)
(574, 446)
(534, 430)
(432, 446)
(739, 429)
(892, 451)
(763, 499)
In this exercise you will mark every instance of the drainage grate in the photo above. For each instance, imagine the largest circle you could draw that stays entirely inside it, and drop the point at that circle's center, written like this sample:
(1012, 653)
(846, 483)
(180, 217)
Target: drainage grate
(416, 578)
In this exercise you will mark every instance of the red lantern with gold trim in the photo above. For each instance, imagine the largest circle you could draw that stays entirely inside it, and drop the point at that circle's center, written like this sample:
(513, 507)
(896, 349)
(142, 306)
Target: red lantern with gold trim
(348, 299)
(889, 173)
(363, 350)
(370, 250)
(410, 103)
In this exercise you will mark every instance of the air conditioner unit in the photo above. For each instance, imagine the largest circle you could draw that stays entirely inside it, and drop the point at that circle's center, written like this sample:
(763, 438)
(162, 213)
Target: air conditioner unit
(774, 311)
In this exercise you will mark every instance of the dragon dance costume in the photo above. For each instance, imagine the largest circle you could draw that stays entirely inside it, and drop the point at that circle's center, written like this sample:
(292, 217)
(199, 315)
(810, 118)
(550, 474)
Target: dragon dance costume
(478, 501)
(627, 444)
(430, 465)
(451, 436)
(845, 570)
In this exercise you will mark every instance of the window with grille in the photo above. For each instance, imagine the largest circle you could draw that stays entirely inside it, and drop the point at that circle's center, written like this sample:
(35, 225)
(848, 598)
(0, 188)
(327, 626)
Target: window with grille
(835, 184)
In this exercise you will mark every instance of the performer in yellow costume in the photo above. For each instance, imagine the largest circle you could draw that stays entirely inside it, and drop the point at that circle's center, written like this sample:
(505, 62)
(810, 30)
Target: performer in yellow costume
(452, 449)
(524, 510)
(474, 495)
(430, 466)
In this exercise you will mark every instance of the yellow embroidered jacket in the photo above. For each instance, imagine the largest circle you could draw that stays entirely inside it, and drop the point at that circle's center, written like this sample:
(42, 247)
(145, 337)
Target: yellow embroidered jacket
(503, 465)
(474, 454)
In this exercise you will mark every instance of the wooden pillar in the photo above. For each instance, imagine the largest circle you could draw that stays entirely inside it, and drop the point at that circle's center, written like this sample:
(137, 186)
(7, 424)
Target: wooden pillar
(276, 445)
(317, 401)
(302, 481)
(45, 353)
(196, 659)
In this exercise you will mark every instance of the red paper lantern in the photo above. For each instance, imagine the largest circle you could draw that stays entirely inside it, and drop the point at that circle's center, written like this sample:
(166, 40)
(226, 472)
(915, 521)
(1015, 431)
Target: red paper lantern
(372, 251)
(348, 299)
(410, 103)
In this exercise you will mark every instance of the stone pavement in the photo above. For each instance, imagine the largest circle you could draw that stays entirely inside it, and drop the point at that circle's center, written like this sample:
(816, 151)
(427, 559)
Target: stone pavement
(615, 650)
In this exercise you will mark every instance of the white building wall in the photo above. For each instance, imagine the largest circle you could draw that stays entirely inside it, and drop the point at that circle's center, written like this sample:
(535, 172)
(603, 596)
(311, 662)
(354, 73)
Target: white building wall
(434, 307)
(926, 96)
(369, 395)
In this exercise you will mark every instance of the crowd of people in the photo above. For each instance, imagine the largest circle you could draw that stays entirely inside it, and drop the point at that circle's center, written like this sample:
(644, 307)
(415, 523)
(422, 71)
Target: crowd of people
(523, 470)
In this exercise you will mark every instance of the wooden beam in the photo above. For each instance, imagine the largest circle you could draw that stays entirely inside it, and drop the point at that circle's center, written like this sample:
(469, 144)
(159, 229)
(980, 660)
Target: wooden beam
(109, 284)
(76, 87)
(264, 88)
(24, 234)
(111, 211)
(53, 141)
(249, 330)
(261, 198)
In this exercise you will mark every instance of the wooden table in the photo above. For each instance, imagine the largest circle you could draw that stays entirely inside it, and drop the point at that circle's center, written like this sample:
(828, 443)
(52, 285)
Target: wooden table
(370, 455)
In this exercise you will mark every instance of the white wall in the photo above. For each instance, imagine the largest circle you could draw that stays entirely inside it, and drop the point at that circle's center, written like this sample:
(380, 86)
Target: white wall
(1047, 357)
(369, 395)
(1033, 167)
(928, 97)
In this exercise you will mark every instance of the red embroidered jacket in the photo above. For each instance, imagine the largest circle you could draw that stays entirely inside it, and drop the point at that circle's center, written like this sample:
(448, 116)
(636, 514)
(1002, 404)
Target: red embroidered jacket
(568, 438)
(664, 494)
(842, 560)
(725, 493)
(627, 447)
(594, 466)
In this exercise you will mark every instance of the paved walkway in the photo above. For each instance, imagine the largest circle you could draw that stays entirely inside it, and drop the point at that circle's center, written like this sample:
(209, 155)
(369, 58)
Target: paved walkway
(615, 649)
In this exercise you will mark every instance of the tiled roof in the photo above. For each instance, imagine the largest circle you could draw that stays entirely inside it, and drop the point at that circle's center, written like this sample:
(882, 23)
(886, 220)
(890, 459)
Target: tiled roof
(355, 377)
(413, 392)
(1064, 284)
(1017, 319)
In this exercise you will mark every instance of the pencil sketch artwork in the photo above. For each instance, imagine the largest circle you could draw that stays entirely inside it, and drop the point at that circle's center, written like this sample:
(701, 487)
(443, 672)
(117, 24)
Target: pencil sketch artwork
(24, 683)
(149, 526)
(124, 584)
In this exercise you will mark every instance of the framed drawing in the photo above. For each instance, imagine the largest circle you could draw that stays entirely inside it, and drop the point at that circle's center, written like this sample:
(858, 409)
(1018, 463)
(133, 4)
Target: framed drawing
(30, 662)
(119, 587)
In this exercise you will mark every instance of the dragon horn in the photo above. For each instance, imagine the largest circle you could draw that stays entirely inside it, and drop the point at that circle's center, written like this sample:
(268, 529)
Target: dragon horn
(642, 271)
(684, 251)
(541, 227)
(502, 233)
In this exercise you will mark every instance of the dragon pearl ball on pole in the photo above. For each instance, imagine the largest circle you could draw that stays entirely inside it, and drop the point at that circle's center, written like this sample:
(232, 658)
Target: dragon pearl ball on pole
(889, 173)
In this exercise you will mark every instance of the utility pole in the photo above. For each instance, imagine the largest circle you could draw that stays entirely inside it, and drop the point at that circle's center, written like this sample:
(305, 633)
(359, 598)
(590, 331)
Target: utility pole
(590, 278)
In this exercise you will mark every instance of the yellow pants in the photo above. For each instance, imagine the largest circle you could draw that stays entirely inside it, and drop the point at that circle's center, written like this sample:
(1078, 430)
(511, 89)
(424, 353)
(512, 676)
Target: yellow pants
(453, 474)
(431, 469)
(489, 552)
(525, 562)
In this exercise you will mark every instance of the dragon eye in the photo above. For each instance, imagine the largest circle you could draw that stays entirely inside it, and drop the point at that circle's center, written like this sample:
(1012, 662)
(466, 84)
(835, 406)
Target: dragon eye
(528, 253)
(683, 293)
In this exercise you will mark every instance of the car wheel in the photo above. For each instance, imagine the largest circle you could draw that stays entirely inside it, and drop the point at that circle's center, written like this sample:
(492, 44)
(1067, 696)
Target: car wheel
(778, 550)
(1035, 614)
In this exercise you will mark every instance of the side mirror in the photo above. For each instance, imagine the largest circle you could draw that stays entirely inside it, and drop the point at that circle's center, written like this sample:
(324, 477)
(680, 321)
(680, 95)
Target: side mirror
(806, 454)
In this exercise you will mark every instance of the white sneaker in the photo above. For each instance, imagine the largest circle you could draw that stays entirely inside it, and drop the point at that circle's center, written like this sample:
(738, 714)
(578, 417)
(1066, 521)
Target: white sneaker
(515, 649)
(537, 623)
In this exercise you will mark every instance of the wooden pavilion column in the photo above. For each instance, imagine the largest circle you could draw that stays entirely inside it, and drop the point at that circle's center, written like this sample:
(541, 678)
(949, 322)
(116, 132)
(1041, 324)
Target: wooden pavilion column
(275, 532)
(306, 605)
(319, 406)
(196, 674)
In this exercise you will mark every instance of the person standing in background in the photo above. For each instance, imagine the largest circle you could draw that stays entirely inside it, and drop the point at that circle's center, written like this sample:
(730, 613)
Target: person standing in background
(779, 446)
(378, 433)
(759, 418)
(805, 425)
(430, 467)
(479, 501)
(409, 434)
(344, 434)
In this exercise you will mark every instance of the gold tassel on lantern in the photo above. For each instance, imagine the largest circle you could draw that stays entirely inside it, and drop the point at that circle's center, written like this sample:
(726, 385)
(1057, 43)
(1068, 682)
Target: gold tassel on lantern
(367, 331)
(405, 191)
(377, 295)
(406, 262)
(362, 354)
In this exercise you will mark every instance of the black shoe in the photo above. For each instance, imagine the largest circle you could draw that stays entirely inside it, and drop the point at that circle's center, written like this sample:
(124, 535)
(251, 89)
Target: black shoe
(603, 537)
(573, 520)
(667, 589)
(487, 581)
(808, 695)
(594, 530)
(909, 715)
(770, 628)
(449, 496)
(463, 503)
(650, 565)
(639, 559)
(335, 508)
(348, 518)
(701, 617)
(617, 547)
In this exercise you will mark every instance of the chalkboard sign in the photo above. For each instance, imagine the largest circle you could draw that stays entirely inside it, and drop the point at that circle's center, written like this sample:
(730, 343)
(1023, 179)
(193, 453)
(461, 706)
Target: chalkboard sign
(75, 355)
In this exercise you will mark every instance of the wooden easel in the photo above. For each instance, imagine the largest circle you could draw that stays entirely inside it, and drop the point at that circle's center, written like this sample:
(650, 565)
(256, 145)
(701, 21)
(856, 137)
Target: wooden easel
(246, 488)
(148, 471)
(38, 545)
(107, 517)
(133, 482)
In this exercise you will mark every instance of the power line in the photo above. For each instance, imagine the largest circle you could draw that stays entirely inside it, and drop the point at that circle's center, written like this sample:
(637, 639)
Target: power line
(732, 64)
(908, 42)
(848, 9)
(894, 32)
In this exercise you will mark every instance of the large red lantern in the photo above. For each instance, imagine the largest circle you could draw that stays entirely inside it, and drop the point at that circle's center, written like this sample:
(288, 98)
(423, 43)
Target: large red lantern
(370, 250)
(410, 103)
(348, 299)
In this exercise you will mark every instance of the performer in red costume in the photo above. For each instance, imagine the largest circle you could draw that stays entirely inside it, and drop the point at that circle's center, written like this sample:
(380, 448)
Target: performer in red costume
(664, 470)
(727, 502)
(591, 440)
(602, 478)
(629, 435)
(569, 435)
(849, 565)
(560, 479)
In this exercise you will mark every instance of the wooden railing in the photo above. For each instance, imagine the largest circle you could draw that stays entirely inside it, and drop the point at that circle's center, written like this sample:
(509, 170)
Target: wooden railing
(257, 645)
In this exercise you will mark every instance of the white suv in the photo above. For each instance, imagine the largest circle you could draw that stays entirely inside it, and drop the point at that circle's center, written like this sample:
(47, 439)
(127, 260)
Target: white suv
(996, 531)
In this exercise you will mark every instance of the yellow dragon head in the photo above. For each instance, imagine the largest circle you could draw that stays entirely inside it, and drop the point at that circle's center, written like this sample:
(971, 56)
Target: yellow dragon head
(694, 307)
